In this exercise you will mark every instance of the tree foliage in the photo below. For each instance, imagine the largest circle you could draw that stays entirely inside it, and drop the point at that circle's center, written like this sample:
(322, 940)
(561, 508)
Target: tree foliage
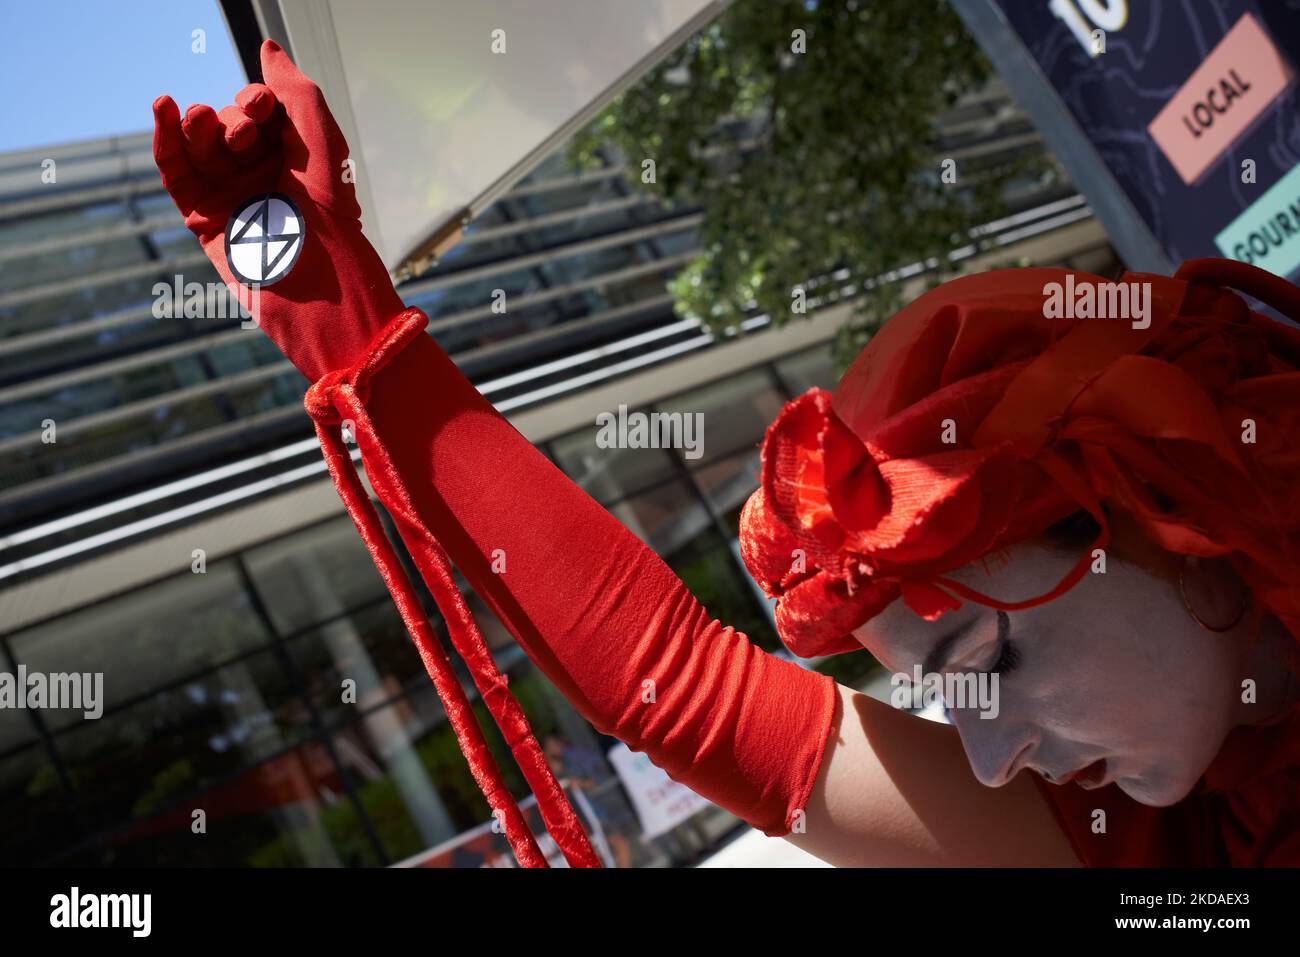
(839, 176)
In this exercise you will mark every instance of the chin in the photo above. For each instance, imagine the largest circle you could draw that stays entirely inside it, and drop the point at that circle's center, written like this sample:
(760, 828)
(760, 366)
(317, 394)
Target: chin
(1155, 790)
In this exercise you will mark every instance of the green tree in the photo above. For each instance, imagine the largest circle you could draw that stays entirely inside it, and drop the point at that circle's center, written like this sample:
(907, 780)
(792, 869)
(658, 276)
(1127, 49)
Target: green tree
(841, 173)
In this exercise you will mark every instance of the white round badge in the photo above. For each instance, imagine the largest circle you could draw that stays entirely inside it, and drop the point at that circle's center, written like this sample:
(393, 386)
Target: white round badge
(264, 238)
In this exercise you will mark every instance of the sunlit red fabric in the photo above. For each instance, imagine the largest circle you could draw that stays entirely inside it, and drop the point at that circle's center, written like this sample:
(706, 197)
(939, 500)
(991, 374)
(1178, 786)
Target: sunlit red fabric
(341, 396)
(1049, 416)
(599, 613)
(862, 501)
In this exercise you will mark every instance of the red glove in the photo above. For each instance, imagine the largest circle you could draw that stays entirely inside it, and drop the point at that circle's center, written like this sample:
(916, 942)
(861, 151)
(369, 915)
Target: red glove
(329, 293)
(599, 613)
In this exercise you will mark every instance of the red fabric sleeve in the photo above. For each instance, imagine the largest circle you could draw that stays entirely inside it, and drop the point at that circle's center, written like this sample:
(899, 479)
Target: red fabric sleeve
(595, 609)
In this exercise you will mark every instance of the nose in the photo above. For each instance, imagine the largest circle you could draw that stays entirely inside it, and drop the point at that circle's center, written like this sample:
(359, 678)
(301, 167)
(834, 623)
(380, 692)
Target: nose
(996, 751)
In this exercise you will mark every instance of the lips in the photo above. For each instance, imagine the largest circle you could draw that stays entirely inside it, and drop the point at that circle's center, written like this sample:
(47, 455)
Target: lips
(1093, 776)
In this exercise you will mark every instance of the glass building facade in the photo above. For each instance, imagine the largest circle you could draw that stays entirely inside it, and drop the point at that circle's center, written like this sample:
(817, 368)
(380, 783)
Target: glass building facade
(223, 688)
(276, 692)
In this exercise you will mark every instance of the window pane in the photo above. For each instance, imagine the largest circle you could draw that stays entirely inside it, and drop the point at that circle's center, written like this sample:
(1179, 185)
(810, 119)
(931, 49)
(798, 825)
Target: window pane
(24, 272)
(410, 776)
(314, 575)
(737, 411)
(147, 638)
(291, 811)
(136, 761)
(16, 726)
(35, 820)
(812, 367)
(369, 647)
(609, 474)
(15, 231)
(729, 483)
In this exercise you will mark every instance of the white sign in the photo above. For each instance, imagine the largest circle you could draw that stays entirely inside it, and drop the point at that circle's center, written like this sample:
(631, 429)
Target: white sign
(661, 803)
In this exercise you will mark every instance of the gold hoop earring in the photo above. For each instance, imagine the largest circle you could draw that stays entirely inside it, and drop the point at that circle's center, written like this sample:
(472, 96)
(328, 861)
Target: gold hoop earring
(1218, 629)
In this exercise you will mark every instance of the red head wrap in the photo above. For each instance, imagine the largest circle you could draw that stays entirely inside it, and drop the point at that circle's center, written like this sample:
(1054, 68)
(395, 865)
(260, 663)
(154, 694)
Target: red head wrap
(972, 421)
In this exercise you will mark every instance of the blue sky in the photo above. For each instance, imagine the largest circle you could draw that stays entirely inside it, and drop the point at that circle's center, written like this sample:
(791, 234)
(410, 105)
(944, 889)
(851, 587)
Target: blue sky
(78, 69)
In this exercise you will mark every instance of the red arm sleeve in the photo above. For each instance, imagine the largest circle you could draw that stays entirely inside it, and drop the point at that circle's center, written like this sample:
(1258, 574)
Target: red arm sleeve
(595, 609)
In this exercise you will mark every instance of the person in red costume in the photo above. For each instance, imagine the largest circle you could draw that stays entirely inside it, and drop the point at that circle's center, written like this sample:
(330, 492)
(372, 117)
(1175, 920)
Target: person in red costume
(1099, 515)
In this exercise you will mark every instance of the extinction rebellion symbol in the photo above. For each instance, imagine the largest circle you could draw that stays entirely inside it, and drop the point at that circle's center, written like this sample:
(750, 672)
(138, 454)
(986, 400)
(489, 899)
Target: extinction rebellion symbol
(263, 239)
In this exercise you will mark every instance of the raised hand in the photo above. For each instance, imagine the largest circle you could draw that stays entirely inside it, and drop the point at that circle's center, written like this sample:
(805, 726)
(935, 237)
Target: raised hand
(267, 187)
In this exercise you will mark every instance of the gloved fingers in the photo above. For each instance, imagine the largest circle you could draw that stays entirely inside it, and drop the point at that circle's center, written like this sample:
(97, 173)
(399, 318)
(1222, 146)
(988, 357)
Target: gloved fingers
(252, 125)
(280, 73)
(257, 102)
(202, 134)
(200, 129)
(179, 176)
(238, 132)
(312, 140)
(247, 142)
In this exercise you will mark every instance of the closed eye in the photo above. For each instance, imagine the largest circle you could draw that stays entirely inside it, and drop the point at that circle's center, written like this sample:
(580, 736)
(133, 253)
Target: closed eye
(1008, 659)
(1008, 654)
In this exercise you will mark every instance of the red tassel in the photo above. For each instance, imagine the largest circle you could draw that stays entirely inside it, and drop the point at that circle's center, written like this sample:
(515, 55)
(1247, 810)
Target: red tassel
(341, 395)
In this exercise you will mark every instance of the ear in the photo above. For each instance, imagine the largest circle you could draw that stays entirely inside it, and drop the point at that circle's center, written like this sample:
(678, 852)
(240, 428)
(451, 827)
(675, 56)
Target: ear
(1213, 592)
(1131, 545)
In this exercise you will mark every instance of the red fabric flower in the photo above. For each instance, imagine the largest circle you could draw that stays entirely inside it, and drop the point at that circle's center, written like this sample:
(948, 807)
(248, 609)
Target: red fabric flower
(972, 421)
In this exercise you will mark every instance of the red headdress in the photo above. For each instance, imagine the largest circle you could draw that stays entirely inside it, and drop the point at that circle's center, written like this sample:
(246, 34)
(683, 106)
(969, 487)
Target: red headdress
(972, 421)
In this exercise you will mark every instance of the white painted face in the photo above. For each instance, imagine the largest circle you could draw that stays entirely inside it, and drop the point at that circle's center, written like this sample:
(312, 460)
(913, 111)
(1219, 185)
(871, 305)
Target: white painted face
(1113, 682)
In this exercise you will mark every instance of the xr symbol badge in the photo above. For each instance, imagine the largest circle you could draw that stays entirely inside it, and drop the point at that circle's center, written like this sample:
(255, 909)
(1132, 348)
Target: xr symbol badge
(263, 239)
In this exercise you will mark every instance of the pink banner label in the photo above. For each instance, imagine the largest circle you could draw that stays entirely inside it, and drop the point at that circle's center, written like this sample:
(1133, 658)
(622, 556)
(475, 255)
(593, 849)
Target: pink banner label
(1219, 102)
